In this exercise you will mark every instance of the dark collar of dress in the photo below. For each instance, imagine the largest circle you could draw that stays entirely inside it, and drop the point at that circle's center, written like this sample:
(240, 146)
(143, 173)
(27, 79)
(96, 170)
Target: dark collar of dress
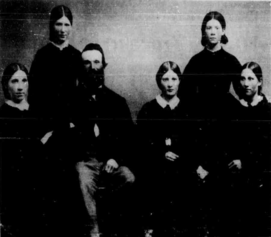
(61, 47)
(218, 52)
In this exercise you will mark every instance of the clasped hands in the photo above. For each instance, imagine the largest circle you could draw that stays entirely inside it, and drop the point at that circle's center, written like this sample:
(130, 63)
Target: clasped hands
(235, 163)
(171, 156)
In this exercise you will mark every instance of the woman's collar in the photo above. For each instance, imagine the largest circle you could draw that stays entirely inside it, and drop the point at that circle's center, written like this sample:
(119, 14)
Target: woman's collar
(163, 103)
(62, 46)
(219, 48)
(257, 99)
(23, 105)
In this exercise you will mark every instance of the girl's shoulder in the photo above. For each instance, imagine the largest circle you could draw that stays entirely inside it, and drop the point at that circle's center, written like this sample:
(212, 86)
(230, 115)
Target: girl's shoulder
(148, 109)
(150, 105)
(265, 107)
(7, 111)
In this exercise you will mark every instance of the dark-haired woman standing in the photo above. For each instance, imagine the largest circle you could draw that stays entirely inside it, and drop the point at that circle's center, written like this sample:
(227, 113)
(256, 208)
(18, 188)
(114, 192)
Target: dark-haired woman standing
(166, 138)
(55, 69)
(206, 84)
(208, 75)
(54, 73)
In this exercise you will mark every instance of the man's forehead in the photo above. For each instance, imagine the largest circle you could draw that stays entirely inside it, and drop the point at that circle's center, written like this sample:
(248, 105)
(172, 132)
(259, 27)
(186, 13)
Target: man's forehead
(92, 55)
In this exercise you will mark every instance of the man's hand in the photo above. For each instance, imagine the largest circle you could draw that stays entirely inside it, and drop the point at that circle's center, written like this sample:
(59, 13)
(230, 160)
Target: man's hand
(202, 172)
(46, 137)
(111, 165)
(235, 163)
(171, 156)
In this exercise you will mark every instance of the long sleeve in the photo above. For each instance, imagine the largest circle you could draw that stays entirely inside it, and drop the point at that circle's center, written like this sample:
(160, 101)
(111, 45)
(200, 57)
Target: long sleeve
(207, 80)
(53, 76)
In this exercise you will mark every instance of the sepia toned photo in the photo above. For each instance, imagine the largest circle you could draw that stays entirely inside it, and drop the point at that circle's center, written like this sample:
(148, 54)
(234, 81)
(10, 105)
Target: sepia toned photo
(132, 118)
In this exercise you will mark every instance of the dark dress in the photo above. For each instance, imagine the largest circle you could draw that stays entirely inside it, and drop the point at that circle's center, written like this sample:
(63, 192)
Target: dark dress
(21, 171)
(53, 81)
(207, 80)
(205, 89)
(250, 133)
(54, 74)
(166, 185)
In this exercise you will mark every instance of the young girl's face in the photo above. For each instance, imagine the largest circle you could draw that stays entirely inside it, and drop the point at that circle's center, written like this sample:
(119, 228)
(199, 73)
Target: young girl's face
(170, 84)
(249, 83)
(214, 32)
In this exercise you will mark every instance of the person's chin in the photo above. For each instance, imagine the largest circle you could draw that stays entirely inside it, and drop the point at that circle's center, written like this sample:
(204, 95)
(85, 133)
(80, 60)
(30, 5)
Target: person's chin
(61, 40)
(20, 97)
(212, 43)
(170, 95)
(248, 96)
(249, 93)
(17, 100)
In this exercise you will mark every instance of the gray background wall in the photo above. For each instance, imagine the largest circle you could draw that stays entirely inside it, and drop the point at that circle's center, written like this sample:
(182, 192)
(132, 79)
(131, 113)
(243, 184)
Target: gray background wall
(137, 36)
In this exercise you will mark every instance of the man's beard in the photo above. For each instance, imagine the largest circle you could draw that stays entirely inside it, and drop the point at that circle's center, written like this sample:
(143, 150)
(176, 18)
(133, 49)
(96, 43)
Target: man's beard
(94, 79)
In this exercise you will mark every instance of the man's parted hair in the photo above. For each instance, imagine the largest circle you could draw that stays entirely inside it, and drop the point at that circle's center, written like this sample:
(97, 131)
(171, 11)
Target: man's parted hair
(93, 46)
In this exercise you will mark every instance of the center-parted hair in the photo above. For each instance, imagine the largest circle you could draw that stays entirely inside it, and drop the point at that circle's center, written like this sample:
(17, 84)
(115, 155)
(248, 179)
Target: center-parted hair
(256, 69)
(164, 68)
(216, 16)
(9, 71)
(57, 13)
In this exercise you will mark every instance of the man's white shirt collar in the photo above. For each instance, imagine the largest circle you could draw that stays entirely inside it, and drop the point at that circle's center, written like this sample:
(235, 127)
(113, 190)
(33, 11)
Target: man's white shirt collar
(94, 95)
(163, 103)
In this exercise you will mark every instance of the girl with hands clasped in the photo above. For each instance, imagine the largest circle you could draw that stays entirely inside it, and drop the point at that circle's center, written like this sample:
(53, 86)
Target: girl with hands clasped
(250, 116)
(157, 118)
(206, 85)
(165, 139)
(251, 113)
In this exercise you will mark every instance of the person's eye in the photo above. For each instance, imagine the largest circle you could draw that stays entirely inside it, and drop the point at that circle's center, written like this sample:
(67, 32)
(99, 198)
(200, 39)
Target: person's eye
(67, 24)
(97, 61)
(14, 81)
(25, 80)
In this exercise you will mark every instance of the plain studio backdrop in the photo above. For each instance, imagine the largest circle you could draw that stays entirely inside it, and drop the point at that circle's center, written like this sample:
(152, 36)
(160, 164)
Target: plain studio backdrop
(137, 36)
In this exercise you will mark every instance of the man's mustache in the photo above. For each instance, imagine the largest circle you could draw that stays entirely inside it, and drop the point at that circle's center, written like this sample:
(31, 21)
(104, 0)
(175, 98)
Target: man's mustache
(93, 78)
(95, 72)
